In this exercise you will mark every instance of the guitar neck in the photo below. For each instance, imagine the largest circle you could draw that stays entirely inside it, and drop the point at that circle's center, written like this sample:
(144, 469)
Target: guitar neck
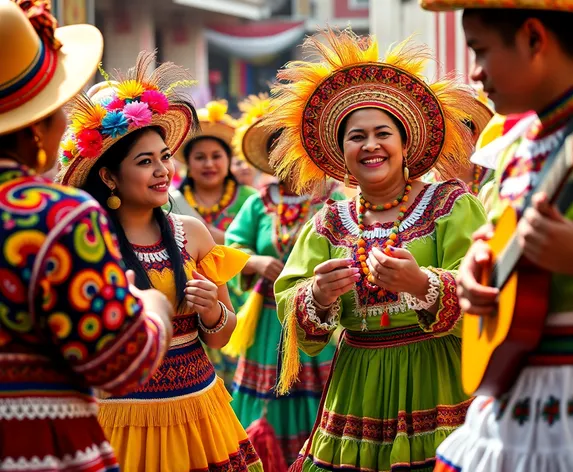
(551, 181)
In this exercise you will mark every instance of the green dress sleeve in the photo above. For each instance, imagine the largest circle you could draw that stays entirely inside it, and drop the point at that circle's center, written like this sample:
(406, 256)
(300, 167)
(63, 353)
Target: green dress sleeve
(302, 328)
(242, 233)
(453, 239)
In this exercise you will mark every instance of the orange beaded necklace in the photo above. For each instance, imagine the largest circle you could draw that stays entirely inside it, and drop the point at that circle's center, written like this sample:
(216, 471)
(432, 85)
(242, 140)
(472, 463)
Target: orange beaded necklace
(391, 241)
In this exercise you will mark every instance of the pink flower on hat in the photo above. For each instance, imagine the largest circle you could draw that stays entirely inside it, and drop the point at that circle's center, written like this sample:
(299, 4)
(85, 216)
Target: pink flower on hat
(89, 142)
(156, 100)
(115, 104)
(137, 113)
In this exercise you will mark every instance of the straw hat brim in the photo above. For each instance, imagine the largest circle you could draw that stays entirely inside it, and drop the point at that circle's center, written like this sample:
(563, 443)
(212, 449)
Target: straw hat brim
(77, 62)
(255, 147)
(175, 123)
(445, 5)
(218, 130)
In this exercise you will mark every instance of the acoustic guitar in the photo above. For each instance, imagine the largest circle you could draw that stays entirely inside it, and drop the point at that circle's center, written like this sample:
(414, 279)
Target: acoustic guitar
(494, 347)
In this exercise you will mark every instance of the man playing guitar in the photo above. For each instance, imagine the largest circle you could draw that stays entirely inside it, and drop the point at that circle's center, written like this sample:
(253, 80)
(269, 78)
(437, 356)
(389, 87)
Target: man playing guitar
(524, 59)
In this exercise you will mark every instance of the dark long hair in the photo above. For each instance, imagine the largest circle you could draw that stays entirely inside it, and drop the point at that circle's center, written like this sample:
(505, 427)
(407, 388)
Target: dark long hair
(188, 181)
(94, 185)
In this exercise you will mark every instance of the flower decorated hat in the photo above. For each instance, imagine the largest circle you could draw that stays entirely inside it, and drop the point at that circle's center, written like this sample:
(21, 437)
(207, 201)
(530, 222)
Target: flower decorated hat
(251, 140)
(555, 5)
(314, 98)
(118, 106)
(42, 66)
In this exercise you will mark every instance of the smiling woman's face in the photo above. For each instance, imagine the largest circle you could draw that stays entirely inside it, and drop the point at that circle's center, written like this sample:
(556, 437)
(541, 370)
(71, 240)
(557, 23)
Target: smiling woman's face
(373, 147)
(145, 174)
(208, 164)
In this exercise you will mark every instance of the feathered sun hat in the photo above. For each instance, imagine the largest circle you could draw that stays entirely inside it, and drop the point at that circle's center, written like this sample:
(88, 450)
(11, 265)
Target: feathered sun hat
(251, 140)
(555, 5)
(118, 106)
(313, 98)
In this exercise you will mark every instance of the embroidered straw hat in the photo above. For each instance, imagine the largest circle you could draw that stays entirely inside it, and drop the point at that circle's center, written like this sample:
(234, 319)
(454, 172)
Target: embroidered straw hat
(555, 5)
(118, 106)
(313, 99)
(41, 67)
(251, 140)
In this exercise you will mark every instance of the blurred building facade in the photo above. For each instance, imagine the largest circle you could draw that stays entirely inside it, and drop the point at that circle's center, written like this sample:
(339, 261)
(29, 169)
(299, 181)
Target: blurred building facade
(394, 20)
(232, 47)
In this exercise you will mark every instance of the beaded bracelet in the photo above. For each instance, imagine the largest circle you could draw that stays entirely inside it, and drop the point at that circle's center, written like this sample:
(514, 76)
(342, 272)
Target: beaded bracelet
(220, 324)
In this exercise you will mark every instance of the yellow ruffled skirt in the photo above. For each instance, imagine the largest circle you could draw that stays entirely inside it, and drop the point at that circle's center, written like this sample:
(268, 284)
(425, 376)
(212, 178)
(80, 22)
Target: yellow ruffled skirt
(194, 433)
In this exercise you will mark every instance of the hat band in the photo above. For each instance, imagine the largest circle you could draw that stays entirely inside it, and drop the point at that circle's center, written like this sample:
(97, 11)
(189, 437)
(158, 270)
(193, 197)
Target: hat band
(31, 81)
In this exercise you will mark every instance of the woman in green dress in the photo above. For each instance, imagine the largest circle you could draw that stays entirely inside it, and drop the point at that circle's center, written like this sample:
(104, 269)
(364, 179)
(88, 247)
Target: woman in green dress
(267, 227)
(211, 189)
(382, 265)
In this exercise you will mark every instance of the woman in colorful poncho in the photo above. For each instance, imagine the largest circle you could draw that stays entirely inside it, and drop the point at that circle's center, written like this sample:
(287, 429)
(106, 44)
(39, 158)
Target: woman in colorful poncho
(267, 227)
(381, 265)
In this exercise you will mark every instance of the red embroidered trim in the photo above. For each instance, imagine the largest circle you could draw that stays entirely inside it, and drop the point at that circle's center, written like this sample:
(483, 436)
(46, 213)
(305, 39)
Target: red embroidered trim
(386, 430)
(311, 330)
(450, 312)
(261, 378)
(391, 337)
(237, 462)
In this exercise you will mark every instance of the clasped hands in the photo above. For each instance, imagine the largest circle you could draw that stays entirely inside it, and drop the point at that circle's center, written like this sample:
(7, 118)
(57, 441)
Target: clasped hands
(396, 273)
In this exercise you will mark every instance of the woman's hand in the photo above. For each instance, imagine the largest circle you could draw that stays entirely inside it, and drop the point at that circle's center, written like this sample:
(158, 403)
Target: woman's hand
(332, 279)
(397, 273)
(269, 267)
(546, 236)
(202, 297)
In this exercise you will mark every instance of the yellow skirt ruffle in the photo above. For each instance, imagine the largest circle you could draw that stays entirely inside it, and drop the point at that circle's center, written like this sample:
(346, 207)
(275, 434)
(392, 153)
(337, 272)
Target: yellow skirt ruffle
(190, 434)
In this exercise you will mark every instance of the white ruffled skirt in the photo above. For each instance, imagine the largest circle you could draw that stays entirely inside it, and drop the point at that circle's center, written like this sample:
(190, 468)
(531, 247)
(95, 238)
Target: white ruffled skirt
(529, 430)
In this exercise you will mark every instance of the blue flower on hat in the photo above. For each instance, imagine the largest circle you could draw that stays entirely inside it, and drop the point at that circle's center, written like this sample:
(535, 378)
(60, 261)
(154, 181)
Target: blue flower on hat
(114, 124)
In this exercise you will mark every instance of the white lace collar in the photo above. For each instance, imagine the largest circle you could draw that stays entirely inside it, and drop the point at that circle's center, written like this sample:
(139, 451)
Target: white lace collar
(378, 232)
(162, 255)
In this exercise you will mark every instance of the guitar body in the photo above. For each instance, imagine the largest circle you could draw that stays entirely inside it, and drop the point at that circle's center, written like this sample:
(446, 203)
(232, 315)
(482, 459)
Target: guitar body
(493, 347)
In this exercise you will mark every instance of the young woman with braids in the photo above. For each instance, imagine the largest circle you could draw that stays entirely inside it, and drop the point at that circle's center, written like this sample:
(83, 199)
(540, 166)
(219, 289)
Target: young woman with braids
(181, 420)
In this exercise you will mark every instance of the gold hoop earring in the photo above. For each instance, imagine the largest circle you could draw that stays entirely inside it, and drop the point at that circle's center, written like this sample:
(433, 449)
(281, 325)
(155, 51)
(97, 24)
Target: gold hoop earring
(113, 202)
(41, 157)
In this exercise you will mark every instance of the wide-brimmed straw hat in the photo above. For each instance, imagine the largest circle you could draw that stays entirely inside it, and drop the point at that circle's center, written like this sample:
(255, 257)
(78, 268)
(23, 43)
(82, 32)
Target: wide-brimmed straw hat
(251, 140)
(41, 67)
(314, 97)
(554, 5)
(214, 121)
(118, 106)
